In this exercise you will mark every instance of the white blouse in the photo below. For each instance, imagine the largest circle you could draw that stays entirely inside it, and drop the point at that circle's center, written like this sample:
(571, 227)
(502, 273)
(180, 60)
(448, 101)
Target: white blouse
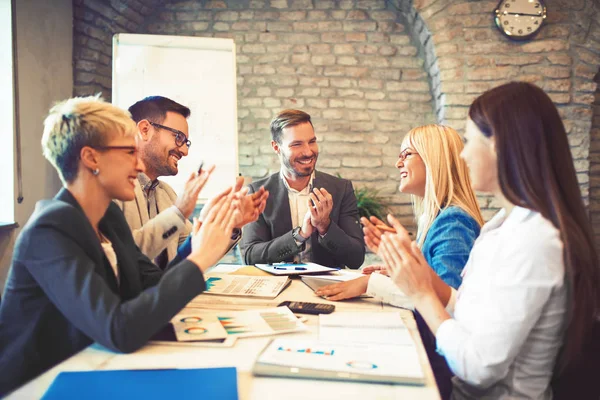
(382, 287)
(509, 314)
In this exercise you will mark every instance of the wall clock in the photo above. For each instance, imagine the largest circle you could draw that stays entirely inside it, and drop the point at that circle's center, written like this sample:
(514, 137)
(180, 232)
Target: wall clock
(520, 19)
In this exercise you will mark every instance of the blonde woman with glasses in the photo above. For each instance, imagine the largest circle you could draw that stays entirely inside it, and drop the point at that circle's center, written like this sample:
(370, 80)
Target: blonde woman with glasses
(445, 207)
(77, 276)
(448, 219)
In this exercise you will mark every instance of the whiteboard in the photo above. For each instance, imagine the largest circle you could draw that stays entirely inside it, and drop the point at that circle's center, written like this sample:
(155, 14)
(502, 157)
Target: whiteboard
(198, 73)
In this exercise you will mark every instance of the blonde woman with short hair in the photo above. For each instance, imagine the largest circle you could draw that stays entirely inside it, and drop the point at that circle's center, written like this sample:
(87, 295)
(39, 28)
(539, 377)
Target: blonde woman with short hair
(77, 276)
(448, 220)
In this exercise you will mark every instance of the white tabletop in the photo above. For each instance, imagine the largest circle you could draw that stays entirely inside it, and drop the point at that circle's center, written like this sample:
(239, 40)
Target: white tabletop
(242, 356)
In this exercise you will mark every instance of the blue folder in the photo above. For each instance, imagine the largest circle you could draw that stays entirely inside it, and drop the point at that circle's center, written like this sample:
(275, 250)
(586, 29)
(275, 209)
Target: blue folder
(203, 383)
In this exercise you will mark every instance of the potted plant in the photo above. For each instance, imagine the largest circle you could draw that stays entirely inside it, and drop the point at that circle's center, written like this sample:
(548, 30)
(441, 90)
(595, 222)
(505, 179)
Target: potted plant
(370, 203)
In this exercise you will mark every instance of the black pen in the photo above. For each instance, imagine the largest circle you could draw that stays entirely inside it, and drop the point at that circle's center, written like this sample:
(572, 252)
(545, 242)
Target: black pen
(295, 268)
(200, 167)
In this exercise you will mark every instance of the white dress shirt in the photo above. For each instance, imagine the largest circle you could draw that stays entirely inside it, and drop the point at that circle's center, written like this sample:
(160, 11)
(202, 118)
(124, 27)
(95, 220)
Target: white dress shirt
(298, 209)
(510, 311)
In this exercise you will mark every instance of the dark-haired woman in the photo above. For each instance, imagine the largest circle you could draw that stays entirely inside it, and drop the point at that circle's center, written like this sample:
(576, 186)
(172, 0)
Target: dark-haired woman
(530, 287)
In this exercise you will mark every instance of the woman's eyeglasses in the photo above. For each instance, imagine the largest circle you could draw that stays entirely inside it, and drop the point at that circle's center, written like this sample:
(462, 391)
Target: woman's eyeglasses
(180, 138)
(405, 154)
(130, 149)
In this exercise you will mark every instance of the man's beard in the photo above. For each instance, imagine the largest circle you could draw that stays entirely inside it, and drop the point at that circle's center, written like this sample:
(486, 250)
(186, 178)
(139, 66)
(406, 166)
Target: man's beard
(288, 165)
(161, 166)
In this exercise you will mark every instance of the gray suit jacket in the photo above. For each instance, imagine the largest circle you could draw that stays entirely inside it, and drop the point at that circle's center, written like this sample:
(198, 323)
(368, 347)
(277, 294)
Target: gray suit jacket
(165, 231)
(269, 239)
(62, 295)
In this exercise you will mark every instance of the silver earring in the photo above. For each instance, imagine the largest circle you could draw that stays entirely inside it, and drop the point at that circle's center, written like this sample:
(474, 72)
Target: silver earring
(96, 171)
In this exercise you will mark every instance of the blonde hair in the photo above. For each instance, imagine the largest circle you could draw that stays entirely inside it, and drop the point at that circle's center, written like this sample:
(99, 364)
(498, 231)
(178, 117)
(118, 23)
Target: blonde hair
(78, 122)
(447, 176)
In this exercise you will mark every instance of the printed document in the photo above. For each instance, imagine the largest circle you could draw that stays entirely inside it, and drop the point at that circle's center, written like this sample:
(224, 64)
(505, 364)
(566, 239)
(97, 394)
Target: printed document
(385, 328)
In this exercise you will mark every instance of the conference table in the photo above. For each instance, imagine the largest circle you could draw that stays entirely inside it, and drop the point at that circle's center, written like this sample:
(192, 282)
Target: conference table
(243, 354)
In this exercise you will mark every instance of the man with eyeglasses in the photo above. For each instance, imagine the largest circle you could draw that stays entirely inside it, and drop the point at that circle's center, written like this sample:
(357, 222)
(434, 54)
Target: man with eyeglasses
(157, 216)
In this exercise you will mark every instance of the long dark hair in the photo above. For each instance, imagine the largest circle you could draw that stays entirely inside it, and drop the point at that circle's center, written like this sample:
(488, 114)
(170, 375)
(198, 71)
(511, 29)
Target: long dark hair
(536, 171)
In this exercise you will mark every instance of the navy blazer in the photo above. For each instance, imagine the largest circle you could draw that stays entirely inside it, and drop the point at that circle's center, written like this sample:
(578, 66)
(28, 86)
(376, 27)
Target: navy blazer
(62, 295)
(269, 239)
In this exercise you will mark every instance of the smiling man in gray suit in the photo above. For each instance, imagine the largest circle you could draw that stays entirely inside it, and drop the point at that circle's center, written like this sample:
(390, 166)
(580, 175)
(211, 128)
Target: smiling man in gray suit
(310, 215)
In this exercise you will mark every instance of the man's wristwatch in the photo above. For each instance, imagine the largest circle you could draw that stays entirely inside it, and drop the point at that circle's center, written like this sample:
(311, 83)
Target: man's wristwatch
(297, 236)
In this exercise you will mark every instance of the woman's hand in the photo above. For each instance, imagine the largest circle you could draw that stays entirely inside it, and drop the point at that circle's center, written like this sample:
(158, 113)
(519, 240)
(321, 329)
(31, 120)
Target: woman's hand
(368, 270)
(251, 205)
(211, 238)
(344, 290)
(406, 264)
(211, 202)
(373, 228)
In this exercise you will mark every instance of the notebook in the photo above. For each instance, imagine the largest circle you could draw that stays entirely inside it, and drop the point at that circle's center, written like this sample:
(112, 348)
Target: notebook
(207, 383)
(335, 360)
(381, 328)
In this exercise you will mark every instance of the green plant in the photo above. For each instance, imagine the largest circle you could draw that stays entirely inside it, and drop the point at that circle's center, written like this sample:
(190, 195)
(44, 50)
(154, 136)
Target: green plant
(370, 203)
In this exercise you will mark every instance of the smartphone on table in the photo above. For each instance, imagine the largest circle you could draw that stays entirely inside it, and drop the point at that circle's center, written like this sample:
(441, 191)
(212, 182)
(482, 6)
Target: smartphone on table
(302, 307)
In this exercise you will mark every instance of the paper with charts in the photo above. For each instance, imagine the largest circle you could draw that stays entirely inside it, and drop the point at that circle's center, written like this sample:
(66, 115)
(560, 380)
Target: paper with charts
(397, 363)
(365, 327)
(251, 286)
(209, 325)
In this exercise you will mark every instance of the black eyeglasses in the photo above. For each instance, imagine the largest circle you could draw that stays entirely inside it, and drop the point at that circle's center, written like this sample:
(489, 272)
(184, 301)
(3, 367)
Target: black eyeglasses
(180, 138)
(406, 153)
(132, 149)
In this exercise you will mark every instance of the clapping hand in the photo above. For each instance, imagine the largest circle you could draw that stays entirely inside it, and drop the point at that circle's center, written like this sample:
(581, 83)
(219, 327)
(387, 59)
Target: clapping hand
(373, 228)
(319, 213)
(251, 205)
(186, 202)
(210, 239)
(306, 229)
(405, 262)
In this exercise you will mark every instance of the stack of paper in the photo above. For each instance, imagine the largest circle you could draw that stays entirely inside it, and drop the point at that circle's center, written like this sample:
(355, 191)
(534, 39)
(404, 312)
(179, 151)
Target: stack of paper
(365, 327)
(211, 325)
(267, 287)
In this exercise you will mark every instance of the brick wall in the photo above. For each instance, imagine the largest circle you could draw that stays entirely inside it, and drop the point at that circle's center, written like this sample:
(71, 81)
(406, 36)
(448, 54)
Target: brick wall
(367, 70)
(353, 69)
(94, 23)
(595, 164)
(473, 56)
